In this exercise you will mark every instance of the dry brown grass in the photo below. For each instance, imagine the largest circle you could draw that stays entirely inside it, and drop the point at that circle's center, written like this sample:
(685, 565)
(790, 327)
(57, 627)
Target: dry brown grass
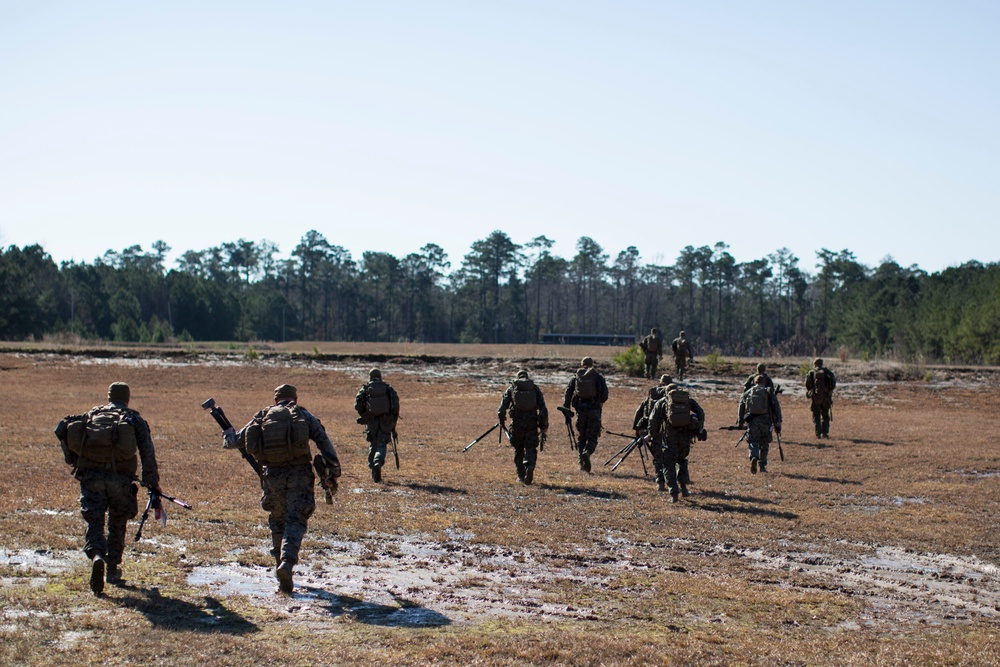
(855, 550)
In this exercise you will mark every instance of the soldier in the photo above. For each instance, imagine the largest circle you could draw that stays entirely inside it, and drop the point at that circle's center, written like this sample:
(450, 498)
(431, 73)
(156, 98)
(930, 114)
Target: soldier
(640, 421)
(820, 383)
(761, 370)
(587, 392)
(652, 347)
(377, 405)
(524, 402)
(675, 421)
(104, 446)
(278, 437)
(759, 411)
(682, 353)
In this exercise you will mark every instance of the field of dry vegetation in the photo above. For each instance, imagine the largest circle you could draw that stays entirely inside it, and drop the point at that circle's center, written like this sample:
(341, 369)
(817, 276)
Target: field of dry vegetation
(877, 546)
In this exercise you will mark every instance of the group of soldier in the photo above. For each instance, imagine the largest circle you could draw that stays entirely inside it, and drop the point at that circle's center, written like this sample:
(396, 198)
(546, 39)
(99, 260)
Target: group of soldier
(106, 446)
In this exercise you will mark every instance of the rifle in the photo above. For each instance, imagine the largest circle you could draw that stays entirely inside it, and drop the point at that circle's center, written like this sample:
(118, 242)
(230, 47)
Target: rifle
(781, 452)
(732, 428)
(395, 453)
(488, 431)
(620, 435)
(156, 505)
(326, 480)
(227, 428)
(568, 414)
(503, 428)
(742, 438)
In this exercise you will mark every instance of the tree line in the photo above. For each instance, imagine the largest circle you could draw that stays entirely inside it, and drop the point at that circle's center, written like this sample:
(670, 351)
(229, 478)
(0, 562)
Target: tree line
(506, 292)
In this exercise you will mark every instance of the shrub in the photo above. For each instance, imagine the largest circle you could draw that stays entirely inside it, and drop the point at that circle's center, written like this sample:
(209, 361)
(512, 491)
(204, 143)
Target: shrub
(631, 361)
(252, 354)
(714, 360)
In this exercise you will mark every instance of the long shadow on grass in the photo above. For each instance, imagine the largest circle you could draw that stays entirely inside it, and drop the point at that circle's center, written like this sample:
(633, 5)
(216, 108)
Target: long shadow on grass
(179, 615)
(751, 506)
(814, 445)
(861, 441)
(831, 480)
(582, 491)
(404, 614)
(435, 488)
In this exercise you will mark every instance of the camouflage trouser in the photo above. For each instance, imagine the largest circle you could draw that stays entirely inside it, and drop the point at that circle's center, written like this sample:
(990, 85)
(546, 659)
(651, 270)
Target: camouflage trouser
(652, 361)
(759, 437)
(104, 492)
(378, 437)
(288, 498)
(588, 427)
(680, 363)
(671, 460)
(524, 439)
(821, 416)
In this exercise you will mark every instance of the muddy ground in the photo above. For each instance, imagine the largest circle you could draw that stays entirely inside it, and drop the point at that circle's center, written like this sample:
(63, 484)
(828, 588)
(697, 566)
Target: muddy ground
(875, 546)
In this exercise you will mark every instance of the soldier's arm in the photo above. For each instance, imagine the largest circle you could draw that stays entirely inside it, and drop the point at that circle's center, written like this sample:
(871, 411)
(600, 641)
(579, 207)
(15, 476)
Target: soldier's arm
(656, 421)
(147, 453)
(505, 404)
(543, 412)
(568, 395)
(603, 384)
(698, 410)
(318, 435)
(359, 402)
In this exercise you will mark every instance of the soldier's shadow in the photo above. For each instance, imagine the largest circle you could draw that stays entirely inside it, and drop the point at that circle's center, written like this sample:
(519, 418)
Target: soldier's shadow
(748, 505)
(821, 479)
(583, 491)
(435, 488)
(404, 614)
(180, 615)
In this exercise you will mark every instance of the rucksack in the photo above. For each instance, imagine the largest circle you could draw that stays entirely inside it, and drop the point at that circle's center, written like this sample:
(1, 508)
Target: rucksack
(586, 384)
(821, 383)
(377, 399)
(280, 436)
(757, 402)
(678, 408)
(653, 344)
(104, 435)
(524, 396)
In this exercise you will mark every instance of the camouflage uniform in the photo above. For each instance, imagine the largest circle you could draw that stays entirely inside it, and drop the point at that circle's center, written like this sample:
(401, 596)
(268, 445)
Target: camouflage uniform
(761, 370)
(674, 445)
(379, 429)
(822, 403)
(588, 411)
(681, 348)
(108, 491)
(524, 426)
(652, 347)
(288, 488)
(759, 426)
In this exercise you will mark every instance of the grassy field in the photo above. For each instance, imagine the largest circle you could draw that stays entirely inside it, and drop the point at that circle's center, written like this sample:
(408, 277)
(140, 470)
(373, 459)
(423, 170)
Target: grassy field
(875, 547)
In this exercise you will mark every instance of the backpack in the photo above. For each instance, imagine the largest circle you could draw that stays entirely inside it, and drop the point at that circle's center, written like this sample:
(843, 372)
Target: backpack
(652, 345)
(757, 400)
(377, 399)
(524, 398)
(104, 435)
(280, 436)
(821, 383)
(586, 384)
(678, 408)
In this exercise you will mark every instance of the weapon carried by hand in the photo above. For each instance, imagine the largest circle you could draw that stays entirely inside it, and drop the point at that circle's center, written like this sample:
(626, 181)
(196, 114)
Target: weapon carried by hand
(395, 451)
(568, 414)
(504, 431)
(229, 433)
(781, 452)
(486, 433)
(326, 478)
(156, 504)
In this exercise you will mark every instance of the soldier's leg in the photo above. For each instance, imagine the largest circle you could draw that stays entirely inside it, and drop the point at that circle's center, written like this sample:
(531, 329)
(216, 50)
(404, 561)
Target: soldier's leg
(670, 468)
(825, 420)
(122, 506)
(817, 411)
(94, 507)
(656, 449)
(273, 502)
(300, 503)
(583, 419)
(519, 460)
(683, 477)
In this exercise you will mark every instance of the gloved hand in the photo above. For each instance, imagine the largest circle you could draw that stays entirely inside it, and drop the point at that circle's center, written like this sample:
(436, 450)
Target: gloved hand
(229, 439)
(545, 436)
(777, 428)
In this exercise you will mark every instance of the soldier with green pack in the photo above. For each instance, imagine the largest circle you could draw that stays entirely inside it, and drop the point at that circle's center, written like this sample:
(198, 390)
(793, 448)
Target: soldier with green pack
(586, 393)
(377, 405)
(640, 420)
(529, 423)
(759, 413)
(676, 420)
(104, 446)
(652, 347)
(761, 370)
(278, 437)
(820, 383)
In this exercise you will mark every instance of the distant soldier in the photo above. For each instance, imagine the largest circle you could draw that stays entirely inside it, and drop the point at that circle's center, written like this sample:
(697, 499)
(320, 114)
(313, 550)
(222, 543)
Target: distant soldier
(529, 419)
(104, 446)
(587, 393)
(377, 405)
(820, 383)
(652, 347)
(278, 437)
(761, 370)
(681, 348)
(759, 412)
(675, 422)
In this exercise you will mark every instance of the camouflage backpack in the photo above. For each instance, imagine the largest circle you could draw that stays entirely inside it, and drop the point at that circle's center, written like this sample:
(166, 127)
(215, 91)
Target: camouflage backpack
(586, 384)
(524, 398)
(678, 408)
(757, 400)
(377, 399)
(822, 386)
(104, 435)
(653, 345)
(280, 436)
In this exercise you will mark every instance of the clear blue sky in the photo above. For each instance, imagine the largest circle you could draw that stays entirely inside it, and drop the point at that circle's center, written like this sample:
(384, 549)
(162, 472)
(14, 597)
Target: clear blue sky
(870, 126)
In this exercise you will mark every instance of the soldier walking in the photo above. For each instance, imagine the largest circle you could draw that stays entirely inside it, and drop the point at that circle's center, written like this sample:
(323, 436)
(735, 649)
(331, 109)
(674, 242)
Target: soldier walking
(681, 348)
(759, 412)
(675, 422)
(278, 437)
(529, 423)
(652, 347)
(586, 393)
(377, 405)
(820, 383)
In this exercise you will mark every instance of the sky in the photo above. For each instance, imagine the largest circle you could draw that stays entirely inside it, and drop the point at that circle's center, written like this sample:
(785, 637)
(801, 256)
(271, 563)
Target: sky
(866, 126)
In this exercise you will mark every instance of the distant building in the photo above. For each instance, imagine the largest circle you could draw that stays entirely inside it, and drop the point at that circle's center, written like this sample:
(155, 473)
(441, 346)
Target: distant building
(588, 339)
